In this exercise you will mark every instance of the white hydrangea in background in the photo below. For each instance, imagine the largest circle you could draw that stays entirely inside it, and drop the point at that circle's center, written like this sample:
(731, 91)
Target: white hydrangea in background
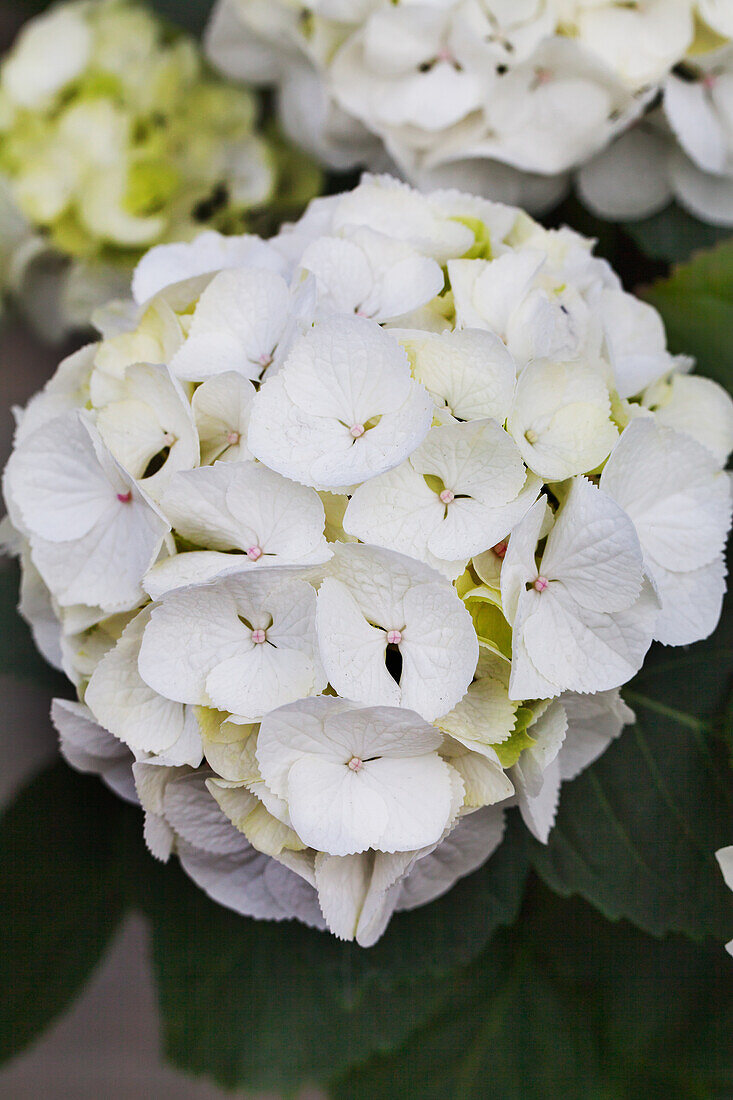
(114, 136)
(348, 540)
(510, 98)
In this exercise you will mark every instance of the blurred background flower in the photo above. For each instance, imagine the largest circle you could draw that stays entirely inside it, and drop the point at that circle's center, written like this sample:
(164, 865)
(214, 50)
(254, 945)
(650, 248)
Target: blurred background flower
(114, 136)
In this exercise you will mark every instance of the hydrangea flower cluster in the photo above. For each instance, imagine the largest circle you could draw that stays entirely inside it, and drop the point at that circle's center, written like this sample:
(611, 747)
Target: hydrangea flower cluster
(348, 540)
(510, 99)
(114, 137)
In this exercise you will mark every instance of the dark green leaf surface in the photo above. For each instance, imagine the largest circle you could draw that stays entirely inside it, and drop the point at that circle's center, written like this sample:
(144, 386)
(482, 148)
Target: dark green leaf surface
(673, 234)
(18, 654)
(567, 1006)
(192, 15)
(696, 303)
(59, 902)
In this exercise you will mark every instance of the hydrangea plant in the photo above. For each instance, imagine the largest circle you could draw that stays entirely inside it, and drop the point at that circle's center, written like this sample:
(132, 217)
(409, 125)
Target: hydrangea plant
(114, 136)
(513, 98)
(348, 540)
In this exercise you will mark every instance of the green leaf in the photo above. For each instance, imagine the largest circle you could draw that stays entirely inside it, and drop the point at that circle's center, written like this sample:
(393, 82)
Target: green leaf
(568, 1006)
(696, 304)
(270, 1005)
(18, 654)
(59, 901)
(673, 234)
(636, 833)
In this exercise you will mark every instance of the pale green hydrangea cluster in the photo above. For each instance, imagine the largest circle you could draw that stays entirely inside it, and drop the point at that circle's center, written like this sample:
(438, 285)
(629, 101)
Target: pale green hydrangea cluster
(114, 136)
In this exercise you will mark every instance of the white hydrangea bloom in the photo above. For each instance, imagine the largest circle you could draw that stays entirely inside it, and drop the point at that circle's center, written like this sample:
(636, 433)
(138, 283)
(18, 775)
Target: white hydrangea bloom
(348, 539)
(510, 99)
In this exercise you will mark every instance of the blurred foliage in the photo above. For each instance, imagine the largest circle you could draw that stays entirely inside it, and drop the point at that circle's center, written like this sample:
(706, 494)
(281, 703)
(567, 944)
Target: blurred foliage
(696, 304)
(567, 1005)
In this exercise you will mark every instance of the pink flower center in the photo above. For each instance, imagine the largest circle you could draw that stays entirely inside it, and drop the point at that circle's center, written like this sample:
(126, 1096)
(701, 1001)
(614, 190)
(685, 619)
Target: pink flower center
(447, 496)
(233, 438)
(254, 553)
(540, 584)
(355, 764)
(394, 637)
(444, 55)
(125, 498)
(500, 548)
(357, 430)
(264, 360)
(709, 80)
(542, 76)
(259, 636)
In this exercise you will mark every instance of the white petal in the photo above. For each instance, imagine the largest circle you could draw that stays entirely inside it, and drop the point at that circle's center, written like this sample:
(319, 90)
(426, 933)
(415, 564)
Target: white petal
(593, 551)
(560, 419)
(672, 489)
(393, 804)
(538, 811)
(475, 837)
(469, 371)
(548, 734)
(357, 893)
(166, 264)
(583, 650)
(691, 602)
(221, 407)
(519, 564)
(344, 374)
(252, 884)
(247, 507)
(639, 154)
(140, 717)
(90, 748)
(594, 721)
(635, 341)
(238, 321)
(698, 406)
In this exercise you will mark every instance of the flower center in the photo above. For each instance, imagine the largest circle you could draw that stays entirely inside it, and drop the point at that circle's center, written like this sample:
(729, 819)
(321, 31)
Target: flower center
(540, 584)
(394, 637)
(254, 553)
(233, 438)
(169, 439)
(355, 764)
(259, 636)
(531, 435)
(500, 548)
(357, 430)
(125, 498)
(447, 496)
(264, 360)
(709, 80)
